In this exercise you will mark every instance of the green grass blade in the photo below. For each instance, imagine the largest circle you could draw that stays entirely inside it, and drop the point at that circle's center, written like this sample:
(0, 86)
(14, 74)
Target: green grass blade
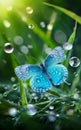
(65, 11)
(72, 36)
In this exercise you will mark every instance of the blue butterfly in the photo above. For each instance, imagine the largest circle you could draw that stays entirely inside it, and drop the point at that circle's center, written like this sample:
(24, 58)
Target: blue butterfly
(47, 74)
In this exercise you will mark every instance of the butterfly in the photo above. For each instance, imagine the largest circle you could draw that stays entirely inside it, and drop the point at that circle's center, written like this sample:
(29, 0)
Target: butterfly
(47, 74)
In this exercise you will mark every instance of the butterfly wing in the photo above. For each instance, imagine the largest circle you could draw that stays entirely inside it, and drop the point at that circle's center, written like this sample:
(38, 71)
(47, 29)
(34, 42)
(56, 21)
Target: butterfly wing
(40, 82)
(55, 57)
(58, 74)
(26, 71)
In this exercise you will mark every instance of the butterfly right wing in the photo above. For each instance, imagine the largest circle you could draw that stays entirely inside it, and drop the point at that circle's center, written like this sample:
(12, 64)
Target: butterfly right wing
(26, 71)
(55, 57)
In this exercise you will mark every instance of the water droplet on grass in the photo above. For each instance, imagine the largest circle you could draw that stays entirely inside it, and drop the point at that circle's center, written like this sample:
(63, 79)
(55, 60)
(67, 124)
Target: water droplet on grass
(51, 116)
(29, 10)
(42, 24)
(30, 26)
(60, 36)
(67, 46)
(24, 49)
(6, 23)
(74, 61)
(5, 94)
(13, 79)
(49, 27)
(51, 107)
(18, 40)
(31, 110)
(76, 96)
(12, 112)
(8, 48)
(14, 86)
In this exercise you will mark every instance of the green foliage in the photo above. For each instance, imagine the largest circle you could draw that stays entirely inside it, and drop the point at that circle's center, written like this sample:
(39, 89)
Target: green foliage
(58, 106)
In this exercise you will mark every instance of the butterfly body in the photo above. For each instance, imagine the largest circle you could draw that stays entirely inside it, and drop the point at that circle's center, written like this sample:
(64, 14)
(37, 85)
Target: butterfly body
(44, 76)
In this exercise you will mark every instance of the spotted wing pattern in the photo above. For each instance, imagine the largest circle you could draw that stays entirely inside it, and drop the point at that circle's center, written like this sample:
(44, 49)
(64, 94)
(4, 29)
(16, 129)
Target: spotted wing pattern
(58, 74)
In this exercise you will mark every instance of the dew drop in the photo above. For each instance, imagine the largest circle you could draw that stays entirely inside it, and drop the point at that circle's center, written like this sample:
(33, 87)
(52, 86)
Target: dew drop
(49, 27)
(29, 10)
(30, 26)
(42, 24)
(12, 112)
(5, 94)
(60, 36)
(76, 96)
(36, 98)
(31, 110)
(18, 40)
(8, 48)
(6, 23)
(51, 116)
(33, 94)
(57, 115)
(14, 86)
(24, 49)
(51, 107)
(13, 79)
(47, 49)
(74, 61)
(67, 46)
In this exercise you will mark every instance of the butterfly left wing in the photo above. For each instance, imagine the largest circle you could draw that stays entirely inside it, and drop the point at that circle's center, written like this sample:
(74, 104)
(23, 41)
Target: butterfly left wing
(58, 74)
(38, 80)
(26, 71)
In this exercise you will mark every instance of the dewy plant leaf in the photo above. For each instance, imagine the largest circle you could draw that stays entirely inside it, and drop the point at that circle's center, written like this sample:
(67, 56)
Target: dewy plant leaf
(65, 11)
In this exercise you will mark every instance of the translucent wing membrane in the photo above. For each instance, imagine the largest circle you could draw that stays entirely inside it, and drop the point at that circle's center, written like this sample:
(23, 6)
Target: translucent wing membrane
(40, 83)
(55, 57)
(24, 72)
(58, 73)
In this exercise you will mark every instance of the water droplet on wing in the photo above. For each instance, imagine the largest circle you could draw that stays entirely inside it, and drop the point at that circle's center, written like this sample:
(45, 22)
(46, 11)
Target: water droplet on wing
(74, 61)
(8, 48)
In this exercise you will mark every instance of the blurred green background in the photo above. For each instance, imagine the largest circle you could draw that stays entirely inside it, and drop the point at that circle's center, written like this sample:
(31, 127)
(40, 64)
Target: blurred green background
(29, 30)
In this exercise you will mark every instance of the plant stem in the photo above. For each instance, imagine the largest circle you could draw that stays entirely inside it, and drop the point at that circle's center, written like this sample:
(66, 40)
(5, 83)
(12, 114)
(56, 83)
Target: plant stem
(23, 94)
